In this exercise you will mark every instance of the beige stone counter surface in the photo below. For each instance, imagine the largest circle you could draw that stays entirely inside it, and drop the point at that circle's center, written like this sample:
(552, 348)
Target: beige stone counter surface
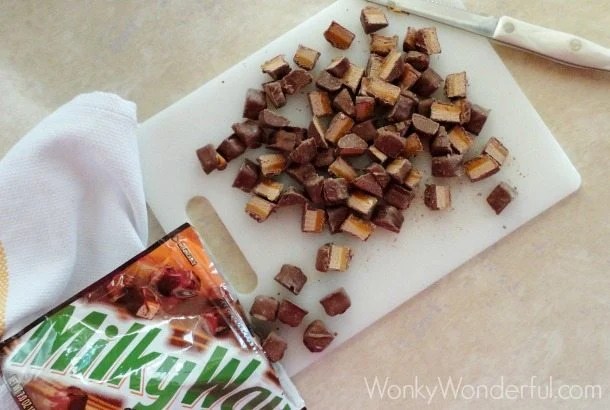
(533, 307)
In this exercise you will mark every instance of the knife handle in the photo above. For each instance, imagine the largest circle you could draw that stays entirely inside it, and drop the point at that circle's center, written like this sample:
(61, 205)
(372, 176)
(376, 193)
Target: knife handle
(564, 47)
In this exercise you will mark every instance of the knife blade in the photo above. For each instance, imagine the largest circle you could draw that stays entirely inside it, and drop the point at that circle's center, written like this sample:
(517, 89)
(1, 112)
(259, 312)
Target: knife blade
(562, 47)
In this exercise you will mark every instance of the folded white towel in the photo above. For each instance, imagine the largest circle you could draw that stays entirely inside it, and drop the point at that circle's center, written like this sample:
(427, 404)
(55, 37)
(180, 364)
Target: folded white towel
(72, 206)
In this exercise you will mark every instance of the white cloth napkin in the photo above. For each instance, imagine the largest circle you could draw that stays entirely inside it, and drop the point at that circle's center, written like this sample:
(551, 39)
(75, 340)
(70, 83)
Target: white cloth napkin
(72, 206)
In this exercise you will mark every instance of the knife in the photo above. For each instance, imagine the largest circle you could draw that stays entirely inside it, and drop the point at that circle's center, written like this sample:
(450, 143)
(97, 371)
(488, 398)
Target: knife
(556, 45)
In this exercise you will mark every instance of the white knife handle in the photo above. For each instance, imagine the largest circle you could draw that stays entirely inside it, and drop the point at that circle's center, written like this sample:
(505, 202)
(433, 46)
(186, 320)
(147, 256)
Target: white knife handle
(560, 46)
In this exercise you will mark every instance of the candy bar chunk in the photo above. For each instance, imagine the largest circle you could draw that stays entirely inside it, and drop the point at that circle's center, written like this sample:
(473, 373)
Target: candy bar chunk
(291, 196)
(398, 169)
(382, 45)
(440, 145)
(306, 57)
(358, 227)
(270, 119)
(247, 176)
(455, 85)
(231, 148)
(338, 36)
(368, 183)
(338, 67)
(342, 169)
(364, 108)
(304, 153)
(255, 103)
(259, 209)
(445, 112)
(373, 66)
(314, 187)
(277, 67)
(437, 197)
(274, 347)
(282, 140)
(408, 43)
(324, 158)
(365, 130)
(402, 110)
(427, 42)
(388, 217)
(500, 197)
(291, 277)
(339, 126)
(380, 174)
(208, 158)
(390, 143)
(275, 94)
(362, 203)
(352, 77)
(428, 83)
(332, 257)
(446, 166)
(419, 61)
(249, 132)
(143, 303)
(399, 127)
(264, 308)
(424, 106)
(461, 141)
(413, 178)
(295, 80)
(319, 102)
(335, 217)
(351, 145)
(336, 303)
(269, 189)
(328, 82)
(335, 191)
(372, 19)
(302, 173)
(376, 154)
(392, 67)
(71, 397)
(383, 91)
(424, 126)
(317, 337)
(465, 109)
(272, 164)
(496, 150)
(313, 219)
(481, 167)
(398, 196)
(478, 118)
(343, 102)
(290, 313)
(317, 131)
(408, 78)
(413, 145)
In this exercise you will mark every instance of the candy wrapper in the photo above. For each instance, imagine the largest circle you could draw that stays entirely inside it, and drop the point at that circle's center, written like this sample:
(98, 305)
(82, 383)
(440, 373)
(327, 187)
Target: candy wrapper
(163, 331)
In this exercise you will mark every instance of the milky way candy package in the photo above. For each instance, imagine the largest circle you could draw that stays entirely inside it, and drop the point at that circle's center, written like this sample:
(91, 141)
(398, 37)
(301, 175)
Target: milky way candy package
(163, 331)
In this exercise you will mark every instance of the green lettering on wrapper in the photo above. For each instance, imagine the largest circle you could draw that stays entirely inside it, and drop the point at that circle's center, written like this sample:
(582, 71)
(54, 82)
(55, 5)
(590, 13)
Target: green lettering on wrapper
(219, 385)
(54, 328)
(134, 362)
(165, 395)
(113, 355)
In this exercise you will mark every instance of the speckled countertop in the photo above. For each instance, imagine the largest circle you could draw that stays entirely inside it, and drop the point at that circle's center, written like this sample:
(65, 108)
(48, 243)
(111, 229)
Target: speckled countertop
(536, 305)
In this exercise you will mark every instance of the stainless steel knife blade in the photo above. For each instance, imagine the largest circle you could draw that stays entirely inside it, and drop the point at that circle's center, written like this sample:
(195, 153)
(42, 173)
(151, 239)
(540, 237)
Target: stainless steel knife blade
(452, 16)
(558, 46)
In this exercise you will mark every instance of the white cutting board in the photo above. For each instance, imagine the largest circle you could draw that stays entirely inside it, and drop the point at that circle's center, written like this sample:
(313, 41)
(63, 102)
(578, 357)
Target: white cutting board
(388, 269)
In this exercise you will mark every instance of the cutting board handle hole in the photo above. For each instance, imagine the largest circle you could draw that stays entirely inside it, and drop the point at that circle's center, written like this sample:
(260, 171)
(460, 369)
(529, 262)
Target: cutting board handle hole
(225, 252)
